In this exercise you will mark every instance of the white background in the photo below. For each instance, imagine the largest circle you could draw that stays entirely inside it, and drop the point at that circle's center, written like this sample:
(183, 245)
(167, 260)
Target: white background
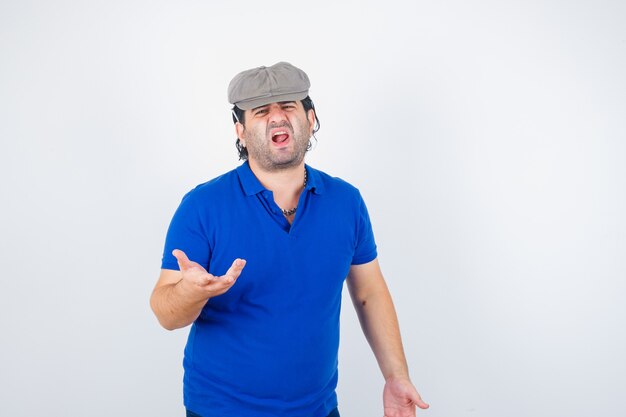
(487, 137)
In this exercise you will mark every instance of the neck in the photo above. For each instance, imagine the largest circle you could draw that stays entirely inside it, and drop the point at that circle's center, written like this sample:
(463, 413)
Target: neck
(282, 181)
(286, 185)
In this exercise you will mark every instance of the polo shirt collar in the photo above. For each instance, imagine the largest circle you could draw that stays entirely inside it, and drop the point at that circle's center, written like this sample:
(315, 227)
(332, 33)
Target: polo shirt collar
(313, 180)
(251, 184)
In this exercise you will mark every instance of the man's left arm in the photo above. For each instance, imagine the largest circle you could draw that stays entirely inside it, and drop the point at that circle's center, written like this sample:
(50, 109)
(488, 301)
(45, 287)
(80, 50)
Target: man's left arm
(379, 322)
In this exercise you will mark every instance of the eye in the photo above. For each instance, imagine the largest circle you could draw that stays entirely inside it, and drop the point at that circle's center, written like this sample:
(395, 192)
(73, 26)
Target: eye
(261, 112)
(289, 106)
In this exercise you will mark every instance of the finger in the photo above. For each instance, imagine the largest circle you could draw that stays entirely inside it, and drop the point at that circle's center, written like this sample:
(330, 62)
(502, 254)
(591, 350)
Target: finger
(183, 262)
(234, 271)
(215, 283)
(202, 278)
(419, 402)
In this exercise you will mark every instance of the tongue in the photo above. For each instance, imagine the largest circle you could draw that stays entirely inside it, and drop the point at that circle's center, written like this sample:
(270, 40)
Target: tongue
(280, 138)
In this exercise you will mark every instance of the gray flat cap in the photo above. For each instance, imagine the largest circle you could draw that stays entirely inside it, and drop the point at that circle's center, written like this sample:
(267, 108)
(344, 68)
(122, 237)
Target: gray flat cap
(264, 85)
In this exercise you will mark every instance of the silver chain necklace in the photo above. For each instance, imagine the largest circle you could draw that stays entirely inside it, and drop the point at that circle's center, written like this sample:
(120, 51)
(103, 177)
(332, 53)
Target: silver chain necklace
(293, 210)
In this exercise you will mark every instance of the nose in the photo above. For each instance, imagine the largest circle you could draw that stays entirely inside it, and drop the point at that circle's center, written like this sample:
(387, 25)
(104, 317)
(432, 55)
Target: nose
(276, 114)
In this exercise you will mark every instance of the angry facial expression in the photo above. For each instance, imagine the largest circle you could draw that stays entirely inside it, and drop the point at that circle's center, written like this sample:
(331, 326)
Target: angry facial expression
(277, 135)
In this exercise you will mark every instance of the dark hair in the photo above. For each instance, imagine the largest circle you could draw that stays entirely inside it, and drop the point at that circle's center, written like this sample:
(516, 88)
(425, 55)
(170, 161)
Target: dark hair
(239, 116)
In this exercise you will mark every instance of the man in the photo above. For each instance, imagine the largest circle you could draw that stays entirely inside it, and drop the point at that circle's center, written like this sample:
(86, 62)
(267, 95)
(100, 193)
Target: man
(255, 260)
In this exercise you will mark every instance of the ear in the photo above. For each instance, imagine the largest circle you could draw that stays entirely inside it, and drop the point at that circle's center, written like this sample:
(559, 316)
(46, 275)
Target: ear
(310, 115)
(240, 130)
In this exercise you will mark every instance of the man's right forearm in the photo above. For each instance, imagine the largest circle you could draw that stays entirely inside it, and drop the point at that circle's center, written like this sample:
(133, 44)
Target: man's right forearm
(173, 307)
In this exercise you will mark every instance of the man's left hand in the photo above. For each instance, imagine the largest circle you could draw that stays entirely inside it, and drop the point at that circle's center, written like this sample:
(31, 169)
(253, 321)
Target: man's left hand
(400, 398)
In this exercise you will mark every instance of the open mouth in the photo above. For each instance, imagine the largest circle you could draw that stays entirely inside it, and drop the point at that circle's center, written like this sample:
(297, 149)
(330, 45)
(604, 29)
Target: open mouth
(280, 136)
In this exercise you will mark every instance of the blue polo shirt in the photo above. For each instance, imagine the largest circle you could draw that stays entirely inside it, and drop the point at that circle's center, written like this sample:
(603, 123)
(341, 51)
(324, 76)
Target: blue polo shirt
(268, 347)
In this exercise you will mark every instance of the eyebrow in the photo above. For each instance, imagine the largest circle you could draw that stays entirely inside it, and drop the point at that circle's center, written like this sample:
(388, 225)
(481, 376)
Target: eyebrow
(279, 102)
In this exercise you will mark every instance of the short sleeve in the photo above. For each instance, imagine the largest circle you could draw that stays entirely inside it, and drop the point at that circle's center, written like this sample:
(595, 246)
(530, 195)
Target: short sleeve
(187, 232)
(365, 250)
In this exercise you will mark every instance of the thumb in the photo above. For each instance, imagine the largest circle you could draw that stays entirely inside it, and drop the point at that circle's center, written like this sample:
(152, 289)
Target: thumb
(183, 262)
(419, 402)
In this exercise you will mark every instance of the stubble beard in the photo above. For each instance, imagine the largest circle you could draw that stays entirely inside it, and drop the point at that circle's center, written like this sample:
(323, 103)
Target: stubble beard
(269, 159)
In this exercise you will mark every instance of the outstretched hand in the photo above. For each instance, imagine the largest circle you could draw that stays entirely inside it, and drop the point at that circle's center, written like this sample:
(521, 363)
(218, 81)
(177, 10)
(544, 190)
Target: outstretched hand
(400, 398)
(202, 285)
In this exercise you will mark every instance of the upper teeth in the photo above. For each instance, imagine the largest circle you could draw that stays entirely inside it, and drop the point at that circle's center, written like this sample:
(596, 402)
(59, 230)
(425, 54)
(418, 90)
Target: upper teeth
(279, 133)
